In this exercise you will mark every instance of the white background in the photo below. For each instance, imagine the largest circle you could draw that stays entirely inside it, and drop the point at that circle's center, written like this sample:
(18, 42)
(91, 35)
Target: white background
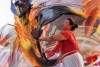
(6, 15)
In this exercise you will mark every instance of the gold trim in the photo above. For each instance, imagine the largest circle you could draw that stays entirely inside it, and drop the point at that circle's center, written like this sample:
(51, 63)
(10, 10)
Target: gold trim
(68, 53)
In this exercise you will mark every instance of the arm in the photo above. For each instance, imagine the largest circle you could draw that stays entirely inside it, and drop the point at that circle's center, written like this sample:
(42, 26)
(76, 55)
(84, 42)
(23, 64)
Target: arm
(96, 61)
(57, 37)
(91, 64)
